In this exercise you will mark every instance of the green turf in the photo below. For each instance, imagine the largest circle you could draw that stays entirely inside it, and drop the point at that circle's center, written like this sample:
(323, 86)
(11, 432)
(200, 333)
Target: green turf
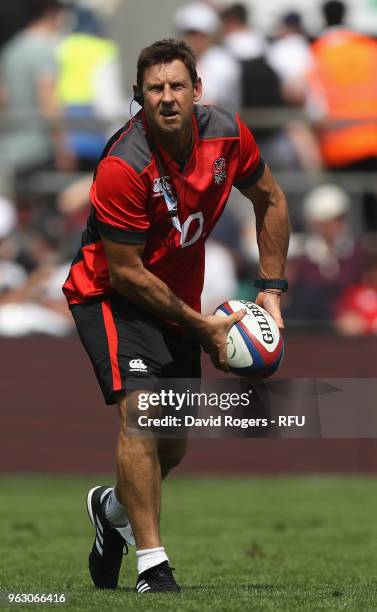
(237, 544)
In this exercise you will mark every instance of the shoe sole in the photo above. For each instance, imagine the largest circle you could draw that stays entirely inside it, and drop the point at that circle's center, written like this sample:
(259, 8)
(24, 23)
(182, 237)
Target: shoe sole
(150, 592)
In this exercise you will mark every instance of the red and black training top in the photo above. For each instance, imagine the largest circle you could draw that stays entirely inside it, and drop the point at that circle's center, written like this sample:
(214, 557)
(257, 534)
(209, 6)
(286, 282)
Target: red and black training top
(129, 206)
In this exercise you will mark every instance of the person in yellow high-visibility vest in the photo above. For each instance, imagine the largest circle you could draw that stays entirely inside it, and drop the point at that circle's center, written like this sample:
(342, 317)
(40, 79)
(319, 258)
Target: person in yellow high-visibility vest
(89, 85)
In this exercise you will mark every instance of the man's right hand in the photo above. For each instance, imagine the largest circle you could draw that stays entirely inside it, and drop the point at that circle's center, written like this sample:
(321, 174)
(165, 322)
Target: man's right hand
(213, 334)
(130, 278)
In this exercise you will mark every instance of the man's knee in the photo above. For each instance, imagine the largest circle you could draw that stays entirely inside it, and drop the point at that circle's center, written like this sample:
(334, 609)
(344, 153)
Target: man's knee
(129, 410)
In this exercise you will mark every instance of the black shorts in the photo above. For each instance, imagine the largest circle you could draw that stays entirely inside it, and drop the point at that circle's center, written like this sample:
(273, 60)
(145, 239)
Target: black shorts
(131, 349)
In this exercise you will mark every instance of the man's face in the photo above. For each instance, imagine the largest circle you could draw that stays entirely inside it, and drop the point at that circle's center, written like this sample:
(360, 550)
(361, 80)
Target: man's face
(169, 97)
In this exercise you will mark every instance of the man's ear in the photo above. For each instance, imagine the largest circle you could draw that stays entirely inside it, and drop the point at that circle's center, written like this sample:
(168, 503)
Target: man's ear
(198, 90)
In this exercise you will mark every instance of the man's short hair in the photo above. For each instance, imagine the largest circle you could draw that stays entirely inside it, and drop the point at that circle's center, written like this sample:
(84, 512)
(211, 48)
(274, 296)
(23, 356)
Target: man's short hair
(334, 12)
(235, 12)
(39, 8)
(163, 52)
(293, 20)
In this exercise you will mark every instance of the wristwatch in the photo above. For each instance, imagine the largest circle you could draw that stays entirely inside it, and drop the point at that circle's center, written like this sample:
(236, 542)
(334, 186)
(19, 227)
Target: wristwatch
(271, 283)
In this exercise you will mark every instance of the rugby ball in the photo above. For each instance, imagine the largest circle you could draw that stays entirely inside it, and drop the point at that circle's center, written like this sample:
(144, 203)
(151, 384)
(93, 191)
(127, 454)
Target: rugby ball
(255, 346)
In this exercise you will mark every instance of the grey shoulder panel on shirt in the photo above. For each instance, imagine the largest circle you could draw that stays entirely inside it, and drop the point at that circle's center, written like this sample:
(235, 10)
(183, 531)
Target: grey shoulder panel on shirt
(133, 147)
(214, 122)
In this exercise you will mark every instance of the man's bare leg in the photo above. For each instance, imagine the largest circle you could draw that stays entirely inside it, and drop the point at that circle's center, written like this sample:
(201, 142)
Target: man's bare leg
(142, 463)
(170, 453)
(138, 476)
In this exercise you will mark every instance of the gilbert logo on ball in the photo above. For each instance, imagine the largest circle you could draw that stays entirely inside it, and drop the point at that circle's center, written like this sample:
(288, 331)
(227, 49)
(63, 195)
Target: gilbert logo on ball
(255, 346)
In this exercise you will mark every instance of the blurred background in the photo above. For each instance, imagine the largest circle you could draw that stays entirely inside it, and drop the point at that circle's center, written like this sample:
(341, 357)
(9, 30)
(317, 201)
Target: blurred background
(303, 76)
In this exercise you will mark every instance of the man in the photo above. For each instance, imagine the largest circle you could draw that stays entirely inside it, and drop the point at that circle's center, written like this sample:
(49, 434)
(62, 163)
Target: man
(331, 258)
(135, 286)
(342, 94)
(200, 25)
(28, 78)
(84, 86)
(243, 41)
(290, 56)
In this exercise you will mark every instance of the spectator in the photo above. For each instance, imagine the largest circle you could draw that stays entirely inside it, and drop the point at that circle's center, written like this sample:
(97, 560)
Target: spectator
(291, 57)
(220, 72)
(356, 311)
(28, 82)
(243, 42)
(343, 96)
(89, 85)
(12, 274)
(31, 275)
(260, 85)
(35, 307)
(290, 147)
(332, 257)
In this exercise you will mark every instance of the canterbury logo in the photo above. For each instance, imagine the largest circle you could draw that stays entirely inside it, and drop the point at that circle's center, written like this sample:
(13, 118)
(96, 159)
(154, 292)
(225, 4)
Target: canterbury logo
(137, 365)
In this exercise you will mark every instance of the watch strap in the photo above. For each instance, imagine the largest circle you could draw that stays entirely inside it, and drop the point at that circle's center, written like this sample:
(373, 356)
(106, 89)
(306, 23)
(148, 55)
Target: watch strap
(271, 283)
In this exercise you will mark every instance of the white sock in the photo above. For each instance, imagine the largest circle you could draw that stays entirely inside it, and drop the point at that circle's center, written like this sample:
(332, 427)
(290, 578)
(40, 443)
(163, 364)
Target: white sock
(114, 511)
(149, 557)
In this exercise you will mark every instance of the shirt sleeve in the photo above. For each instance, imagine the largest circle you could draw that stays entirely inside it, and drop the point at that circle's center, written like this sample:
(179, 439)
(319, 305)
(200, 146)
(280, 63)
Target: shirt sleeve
(44, 61)
(119, 198)
(251, 165)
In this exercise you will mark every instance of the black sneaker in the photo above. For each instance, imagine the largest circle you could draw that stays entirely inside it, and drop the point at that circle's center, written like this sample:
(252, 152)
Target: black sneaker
(157, 579)
(106, 555)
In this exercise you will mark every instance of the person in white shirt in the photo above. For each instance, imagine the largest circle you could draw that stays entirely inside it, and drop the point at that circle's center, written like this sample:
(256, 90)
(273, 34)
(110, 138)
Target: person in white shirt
(291, 57)
(243, 42)
(220, 72)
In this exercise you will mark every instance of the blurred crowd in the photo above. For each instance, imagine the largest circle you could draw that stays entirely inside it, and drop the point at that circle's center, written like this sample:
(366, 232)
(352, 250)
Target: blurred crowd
(310, 101)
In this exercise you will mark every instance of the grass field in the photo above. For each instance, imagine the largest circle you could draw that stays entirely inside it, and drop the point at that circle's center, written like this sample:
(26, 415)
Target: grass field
(237, 544)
